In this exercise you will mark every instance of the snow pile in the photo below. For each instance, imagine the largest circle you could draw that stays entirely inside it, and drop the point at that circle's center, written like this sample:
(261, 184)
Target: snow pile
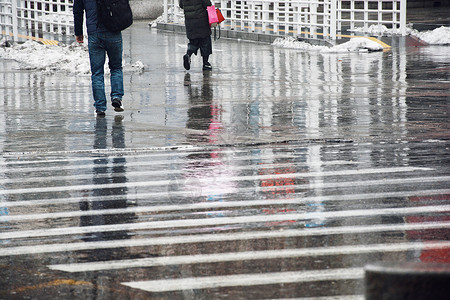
(170, 18)
(35, 56)
(292, 43)
(354, 45)
(380, 30)
(50, 59)
(137, 66)
(438, 36)
(155, 22)
(360, 44)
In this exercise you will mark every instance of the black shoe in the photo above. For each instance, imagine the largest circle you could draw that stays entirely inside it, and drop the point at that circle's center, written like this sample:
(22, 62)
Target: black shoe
(207, 67)
(117, 104)
(100, 113)
(187, 61)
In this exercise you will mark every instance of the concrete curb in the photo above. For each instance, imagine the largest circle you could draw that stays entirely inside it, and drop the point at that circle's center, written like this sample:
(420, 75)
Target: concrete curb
(239, 35)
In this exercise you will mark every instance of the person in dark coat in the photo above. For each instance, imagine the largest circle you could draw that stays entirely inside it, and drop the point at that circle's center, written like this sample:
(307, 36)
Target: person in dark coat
(198, 31)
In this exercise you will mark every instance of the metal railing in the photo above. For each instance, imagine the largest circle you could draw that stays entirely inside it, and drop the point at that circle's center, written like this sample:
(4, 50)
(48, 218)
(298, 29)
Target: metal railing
(305, 18)
(324, 19)
(35, 19)
(366, 13)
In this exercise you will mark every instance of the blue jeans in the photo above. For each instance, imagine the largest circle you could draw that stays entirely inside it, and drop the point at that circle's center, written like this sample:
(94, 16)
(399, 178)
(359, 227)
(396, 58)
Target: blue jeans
(102, 44)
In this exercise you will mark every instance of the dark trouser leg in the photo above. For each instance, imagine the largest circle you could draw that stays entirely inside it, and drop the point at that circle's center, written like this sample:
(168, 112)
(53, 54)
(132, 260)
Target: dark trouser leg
(192, 47)
(115, 50)
(97, 57)
(205, 59)
(206, 46)
(206, 50)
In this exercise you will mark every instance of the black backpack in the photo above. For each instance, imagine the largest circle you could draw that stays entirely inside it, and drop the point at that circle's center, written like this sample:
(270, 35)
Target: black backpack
(116, 15)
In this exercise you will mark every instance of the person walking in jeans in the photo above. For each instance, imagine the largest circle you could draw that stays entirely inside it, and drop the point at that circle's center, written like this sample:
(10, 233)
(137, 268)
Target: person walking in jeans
(101, 42)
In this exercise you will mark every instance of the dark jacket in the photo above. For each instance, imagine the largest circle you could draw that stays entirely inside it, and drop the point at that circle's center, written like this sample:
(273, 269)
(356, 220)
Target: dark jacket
(90, 6)
(196, 18)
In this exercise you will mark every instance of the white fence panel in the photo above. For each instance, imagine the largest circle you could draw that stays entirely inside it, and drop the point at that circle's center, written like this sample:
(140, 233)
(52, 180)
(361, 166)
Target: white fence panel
(304, 18)
(289, 17)
(366, 13)
(36, 18)
(7, 11)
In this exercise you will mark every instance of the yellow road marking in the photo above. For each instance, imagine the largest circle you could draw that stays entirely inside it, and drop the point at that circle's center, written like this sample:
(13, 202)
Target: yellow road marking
(56, 282)
(385, 46)
(42, 40)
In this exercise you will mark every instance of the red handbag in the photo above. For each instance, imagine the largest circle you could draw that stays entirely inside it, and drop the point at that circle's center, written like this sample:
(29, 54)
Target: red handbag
(220, 19)
(219, 16)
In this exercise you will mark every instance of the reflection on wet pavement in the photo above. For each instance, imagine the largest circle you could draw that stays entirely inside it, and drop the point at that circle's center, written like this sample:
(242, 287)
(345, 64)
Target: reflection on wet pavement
(278, 175)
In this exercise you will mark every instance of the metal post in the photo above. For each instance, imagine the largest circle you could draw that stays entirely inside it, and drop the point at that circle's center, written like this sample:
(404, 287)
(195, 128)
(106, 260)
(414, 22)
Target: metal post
(403, 17)
(366, 15)
(14, 20)
(176, 11)
(166, 17)
(332, 24)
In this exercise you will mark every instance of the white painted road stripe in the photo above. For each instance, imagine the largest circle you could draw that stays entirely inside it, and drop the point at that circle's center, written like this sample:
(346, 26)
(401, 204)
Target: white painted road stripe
(131, 174)
(175, 159)
(166, 149)
(218, 237)
(126, 154)
(110, 163)
(326, 185)
(78, 246)
(210, 180)
(167, 285)
(148, 209)
(149, 151)
(215, 204)
(247, 256)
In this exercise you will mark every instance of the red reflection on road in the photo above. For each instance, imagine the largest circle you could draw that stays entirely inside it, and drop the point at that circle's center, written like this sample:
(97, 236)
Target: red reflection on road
(431, 254)
(278, 188)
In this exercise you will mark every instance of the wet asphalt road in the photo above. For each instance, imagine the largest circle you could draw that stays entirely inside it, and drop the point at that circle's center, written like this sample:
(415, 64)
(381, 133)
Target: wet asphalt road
(280, 174)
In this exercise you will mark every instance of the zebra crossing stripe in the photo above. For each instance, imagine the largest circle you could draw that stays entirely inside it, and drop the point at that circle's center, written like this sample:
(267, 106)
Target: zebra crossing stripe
(237, 203)
(247, 256)
(298, 216)
(109, 162)
(78, 246)
(115, 155)
(129, 174)
(225, 221)
(328, 185)
(208, 282)
(110, 151)
(235, 236)
(209, 180)
(180, 158)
